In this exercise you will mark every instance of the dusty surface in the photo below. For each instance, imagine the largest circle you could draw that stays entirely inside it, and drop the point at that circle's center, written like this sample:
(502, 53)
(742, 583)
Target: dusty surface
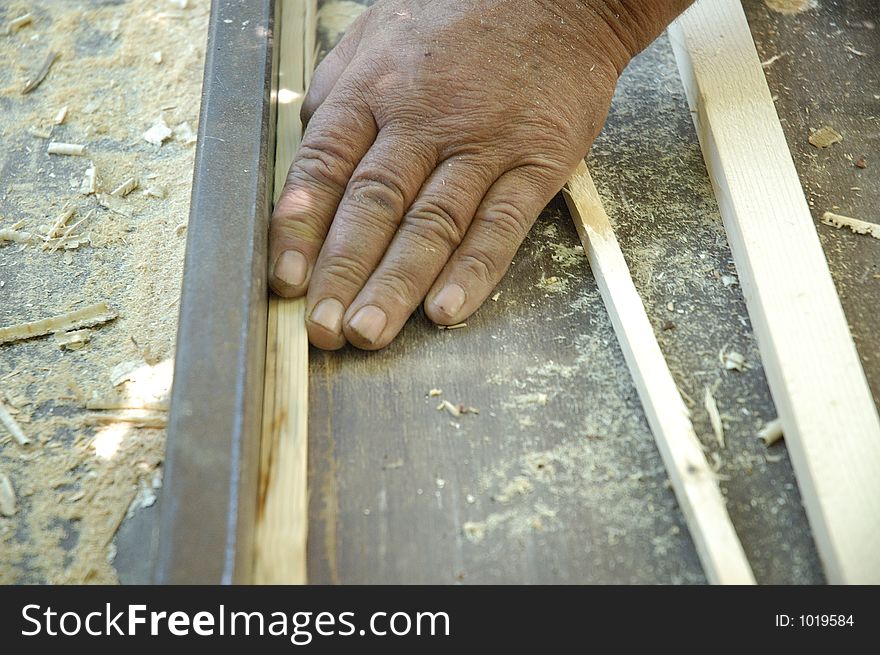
(76, 482)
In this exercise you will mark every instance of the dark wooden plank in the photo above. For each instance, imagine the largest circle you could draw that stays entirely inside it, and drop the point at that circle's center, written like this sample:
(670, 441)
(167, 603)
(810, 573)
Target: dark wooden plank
(574, 490)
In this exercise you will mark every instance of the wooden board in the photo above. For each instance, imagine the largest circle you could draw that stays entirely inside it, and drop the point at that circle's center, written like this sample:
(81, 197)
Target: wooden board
(829, 418)
(282, 518)
(692, 478)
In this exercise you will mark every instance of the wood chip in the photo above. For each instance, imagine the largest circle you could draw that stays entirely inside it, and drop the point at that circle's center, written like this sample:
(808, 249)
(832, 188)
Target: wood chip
(126, 187)
(158, 133)
(90, 316)
(135, 420)
(434, 392)
(16, 236)
(60, 116)
(449, 407)
(40, 132)
(17, 23)
(7, 496)
(89, 184)
(126, 403)
(771, 433)
(854, 224)
(714, 416)
(732, 360)
(35, 81)
(824, 137)
(70, 149)
(12, 426)
(457, 326)
(73, 340)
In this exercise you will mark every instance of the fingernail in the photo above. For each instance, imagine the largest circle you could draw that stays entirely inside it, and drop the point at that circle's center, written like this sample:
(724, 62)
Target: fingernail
(449, 300)
(291, 268)
(369, 322)
(328, 314)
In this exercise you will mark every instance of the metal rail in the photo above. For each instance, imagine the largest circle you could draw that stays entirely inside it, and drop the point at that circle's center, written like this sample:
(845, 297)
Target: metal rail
(208, 509)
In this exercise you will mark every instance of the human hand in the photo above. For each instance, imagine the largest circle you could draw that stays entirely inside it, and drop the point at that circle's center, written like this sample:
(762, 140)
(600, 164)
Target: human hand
(437, 132)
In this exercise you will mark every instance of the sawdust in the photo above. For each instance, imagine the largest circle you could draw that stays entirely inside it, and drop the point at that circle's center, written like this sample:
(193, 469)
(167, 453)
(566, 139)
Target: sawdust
(77, 483)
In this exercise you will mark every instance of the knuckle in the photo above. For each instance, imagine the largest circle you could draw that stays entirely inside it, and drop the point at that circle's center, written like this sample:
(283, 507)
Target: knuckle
(303, 228)
(480, 266)
(506, 219)
(437, 220)
(343, 272)
(377, 188)
(317, 164)
(400, 283)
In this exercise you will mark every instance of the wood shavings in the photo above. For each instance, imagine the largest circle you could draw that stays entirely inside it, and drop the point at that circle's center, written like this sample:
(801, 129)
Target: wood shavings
(60, 222)
(771, 433)
(12, 426)
(496, 297)
(37, 79)
(90, 316)
(69, 149)
(17, 23)
(7, 496)
(434, 393)
(854, 224)
(126, 187)
(714, 416)
(158, 133)
(73, 340)
(824, 137)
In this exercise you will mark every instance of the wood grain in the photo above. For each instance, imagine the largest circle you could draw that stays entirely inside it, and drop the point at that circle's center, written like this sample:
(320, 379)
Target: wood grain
(692, 478)
(282, 520)
(830, 421)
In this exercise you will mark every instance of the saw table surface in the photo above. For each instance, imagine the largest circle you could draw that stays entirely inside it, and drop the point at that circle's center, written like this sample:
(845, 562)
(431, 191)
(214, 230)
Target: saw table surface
(557, 479)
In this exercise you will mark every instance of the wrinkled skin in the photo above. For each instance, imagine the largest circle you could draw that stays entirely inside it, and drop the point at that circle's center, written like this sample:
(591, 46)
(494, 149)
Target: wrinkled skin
(437, 132)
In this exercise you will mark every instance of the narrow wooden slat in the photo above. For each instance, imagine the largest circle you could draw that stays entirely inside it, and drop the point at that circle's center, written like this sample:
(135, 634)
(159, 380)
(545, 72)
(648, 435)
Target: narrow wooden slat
(282, 515)
(693, 481)
(828, 415)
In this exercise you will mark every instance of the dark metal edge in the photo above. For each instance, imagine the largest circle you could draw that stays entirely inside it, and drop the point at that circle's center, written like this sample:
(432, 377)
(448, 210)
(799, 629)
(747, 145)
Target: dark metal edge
(208, 505)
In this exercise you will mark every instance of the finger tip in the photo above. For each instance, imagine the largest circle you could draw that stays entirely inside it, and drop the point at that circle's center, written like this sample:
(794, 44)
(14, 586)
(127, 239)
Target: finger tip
(322, 338)
(289, 274)
(366, 328)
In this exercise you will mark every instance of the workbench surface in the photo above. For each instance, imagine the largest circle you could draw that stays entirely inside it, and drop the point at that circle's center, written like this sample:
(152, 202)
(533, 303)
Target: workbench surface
(557, 479)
